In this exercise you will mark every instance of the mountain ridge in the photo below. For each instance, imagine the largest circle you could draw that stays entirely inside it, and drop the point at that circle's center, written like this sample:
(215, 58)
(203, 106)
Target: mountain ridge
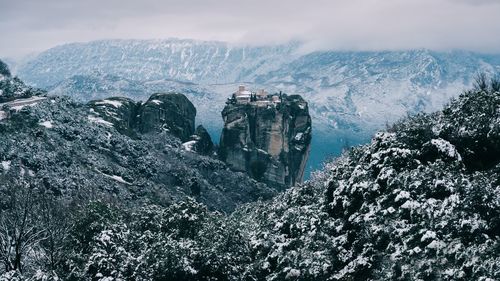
(351, 94)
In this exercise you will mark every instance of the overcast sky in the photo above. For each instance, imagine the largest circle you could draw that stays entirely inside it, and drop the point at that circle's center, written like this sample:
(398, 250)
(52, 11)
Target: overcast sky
(34, 25)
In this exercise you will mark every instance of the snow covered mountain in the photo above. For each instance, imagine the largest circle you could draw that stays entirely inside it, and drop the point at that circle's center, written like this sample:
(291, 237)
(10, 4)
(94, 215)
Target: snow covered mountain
(350, 94)
(184, 60)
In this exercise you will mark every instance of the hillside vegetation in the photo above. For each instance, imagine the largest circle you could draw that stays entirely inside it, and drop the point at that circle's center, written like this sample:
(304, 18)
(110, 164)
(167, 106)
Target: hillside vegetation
(420, 202)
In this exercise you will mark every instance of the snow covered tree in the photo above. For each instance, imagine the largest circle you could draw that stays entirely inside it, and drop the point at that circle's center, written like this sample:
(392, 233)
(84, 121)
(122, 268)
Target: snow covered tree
(19, 228)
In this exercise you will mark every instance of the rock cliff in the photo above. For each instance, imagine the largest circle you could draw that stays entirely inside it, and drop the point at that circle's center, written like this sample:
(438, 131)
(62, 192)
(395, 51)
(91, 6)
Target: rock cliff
(169, 112)
(202, 141)
(172, 112)
(268, 137)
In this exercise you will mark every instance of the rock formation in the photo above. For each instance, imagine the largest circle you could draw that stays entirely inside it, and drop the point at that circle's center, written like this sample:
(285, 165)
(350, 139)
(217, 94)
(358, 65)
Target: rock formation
(170, 112)
(268, 136)
(202, 140)
(173, 112)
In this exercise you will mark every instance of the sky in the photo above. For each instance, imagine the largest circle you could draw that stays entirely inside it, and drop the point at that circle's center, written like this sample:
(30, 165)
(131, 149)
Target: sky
(30, 26)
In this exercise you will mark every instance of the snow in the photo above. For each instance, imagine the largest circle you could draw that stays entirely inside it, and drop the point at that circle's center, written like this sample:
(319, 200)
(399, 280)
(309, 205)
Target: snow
(157, 102)
(46, 124)
(99, 120)
(436, 245)
(3, 115)
(114, 103)
(265, 265)
(117, 178)
(417, 249)
(262, 151)
(446, 148)
(189, 146)
(410, 204)
(5, 165)
(335, 100)
(428, 235)
(21, 103)
(402, 195)
(27, 100)
(298, 136)
(18, 107)
(293, 273)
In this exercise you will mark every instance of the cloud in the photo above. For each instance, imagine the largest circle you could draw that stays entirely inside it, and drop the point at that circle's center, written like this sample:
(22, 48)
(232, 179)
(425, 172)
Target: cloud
(33, 25)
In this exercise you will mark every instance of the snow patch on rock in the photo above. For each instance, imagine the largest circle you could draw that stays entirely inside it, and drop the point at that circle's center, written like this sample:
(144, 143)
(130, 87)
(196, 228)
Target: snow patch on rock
(46, 124)
(119, 179)
(114, 103)
(189, 146)
(94, 119)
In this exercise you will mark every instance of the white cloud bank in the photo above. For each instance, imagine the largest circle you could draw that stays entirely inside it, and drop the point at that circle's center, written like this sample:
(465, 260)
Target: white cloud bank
(33, 25)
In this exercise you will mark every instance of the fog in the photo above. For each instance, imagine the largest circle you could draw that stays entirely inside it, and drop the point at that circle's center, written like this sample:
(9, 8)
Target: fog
(32, 25)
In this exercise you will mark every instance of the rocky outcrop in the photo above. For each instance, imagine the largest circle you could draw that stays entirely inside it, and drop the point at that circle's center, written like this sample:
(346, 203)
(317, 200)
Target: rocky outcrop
(202, 142)
(121, 112)
(268, 139)
(170, 112)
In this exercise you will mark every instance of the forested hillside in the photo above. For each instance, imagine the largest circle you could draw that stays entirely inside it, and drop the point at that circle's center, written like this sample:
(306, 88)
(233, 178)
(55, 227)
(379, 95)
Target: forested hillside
(420, 202)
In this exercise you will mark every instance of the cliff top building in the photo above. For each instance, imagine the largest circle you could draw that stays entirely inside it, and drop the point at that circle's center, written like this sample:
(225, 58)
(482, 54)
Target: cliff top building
(261, 97)
(267, 136)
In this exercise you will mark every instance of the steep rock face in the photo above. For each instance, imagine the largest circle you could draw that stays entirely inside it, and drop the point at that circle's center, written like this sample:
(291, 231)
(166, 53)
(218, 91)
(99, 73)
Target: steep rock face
(270, 141)
(172, 112)
(121, 112)
(202, 141)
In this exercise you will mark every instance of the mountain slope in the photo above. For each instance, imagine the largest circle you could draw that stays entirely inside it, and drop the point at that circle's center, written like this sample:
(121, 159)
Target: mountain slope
(184, 60)
(420, 202)
(74, 149)
(12, 88)
(350, 94)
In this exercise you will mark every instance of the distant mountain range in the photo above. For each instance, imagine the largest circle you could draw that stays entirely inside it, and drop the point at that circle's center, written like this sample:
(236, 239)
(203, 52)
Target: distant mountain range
(351, 94)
